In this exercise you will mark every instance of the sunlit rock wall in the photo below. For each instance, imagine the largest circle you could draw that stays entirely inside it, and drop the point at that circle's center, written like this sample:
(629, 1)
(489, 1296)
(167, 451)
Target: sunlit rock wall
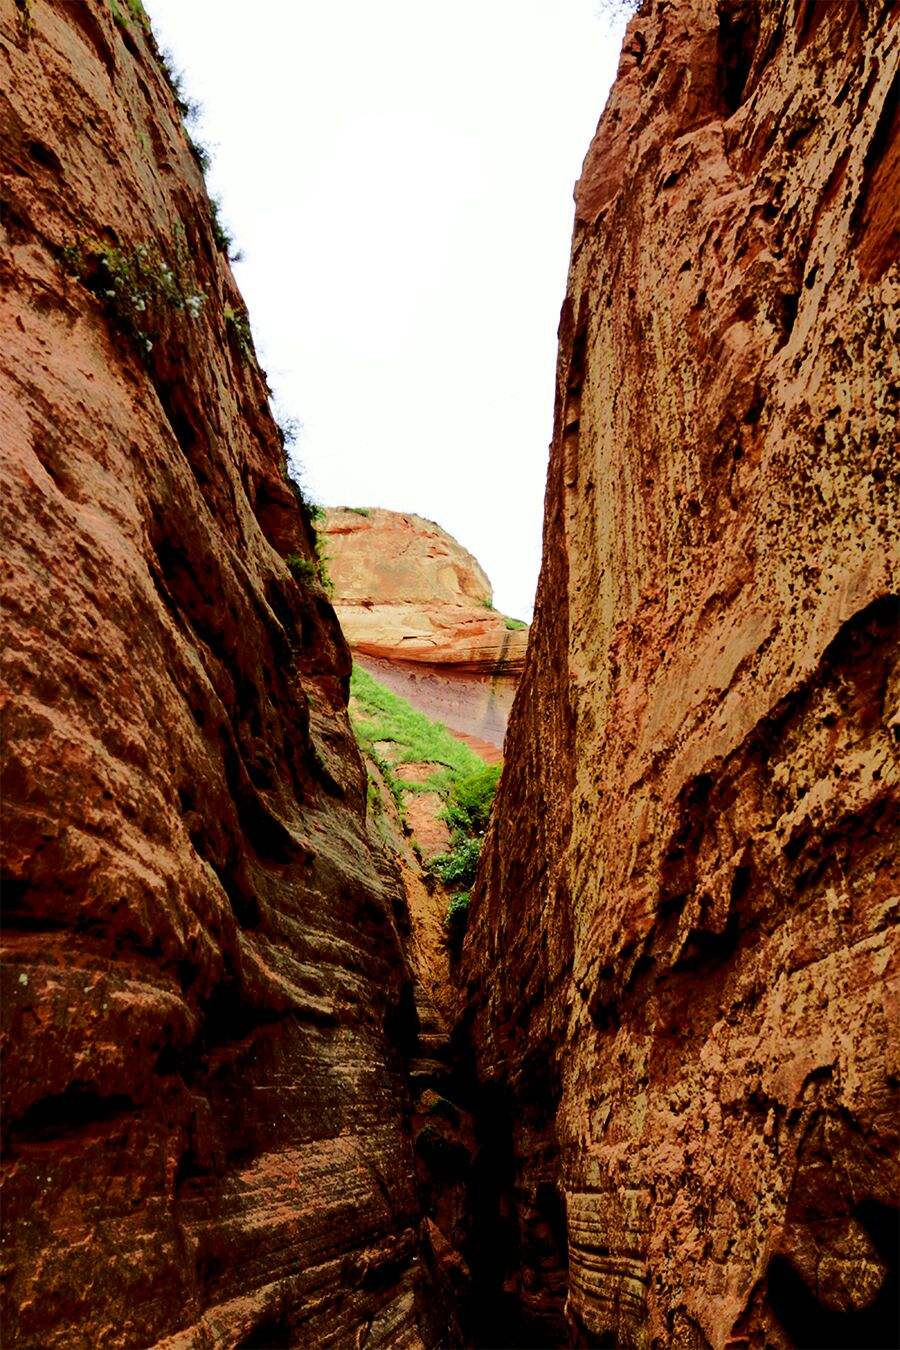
(681, 958)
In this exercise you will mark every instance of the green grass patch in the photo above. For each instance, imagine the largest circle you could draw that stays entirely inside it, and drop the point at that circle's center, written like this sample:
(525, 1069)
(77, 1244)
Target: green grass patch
(462, 778)
(514, 625)
(385, 716)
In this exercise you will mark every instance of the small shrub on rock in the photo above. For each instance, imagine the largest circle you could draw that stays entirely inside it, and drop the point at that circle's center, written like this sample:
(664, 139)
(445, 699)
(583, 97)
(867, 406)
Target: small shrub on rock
(469, 803)
(140, 286)
(458, 865)
(303, 570)
(237, 322)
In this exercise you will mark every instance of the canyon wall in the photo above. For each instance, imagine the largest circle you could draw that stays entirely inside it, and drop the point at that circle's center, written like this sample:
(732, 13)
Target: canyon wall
(206, 999)
(416, 608)
(680, 969)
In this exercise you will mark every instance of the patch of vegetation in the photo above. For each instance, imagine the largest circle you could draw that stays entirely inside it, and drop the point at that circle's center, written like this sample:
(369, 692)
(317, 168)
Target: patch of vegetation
(301, 569)
(381, 715)
(315, 515)
(175, 81)
(458, 904)
(465, 782)
(237, 321)
(457, 921)
(467, 812)
(309, 572)
(359, 510)
(289, 429)
(141, 288)
(615, 10)
(459, 865)
(393, 784)
(514, 625)
(189, 108)
(470, 799)
(199, 151)
(488, 602)
(384, 716)
(135, 10)
(322, 557)
(24, 19)
(223, 239)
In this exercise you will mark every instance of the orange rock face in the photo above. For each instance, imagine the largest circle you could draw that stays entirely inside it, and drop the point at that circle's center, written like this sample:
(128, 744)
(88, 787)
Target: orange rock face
(206, 998)
(682, 952)
(405, 590)
(415, 607)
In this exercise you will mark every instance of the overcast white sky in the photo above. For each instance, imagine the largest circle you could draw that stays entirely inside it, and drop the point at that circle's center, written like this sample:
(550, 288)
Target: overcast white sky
(399, 177)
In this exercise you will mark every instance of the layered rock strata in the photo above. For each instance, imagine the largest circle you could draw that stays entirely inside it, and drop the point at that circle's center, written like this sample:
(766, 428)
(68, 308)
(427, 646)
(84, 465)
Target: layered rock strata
(682, 953)
(416, 609)
(207, 1002)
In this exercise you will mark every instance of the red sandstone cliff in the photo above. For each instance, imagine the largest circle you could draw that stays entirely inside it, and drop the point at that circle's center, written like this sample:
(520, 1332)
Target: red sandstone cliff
(206, 998)
(416, 609)
(682, 954)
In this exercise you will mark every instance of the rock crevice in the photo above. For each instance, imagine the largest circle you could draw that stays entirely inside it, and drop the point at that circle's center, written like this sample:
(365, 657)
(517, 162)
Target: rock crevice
(237, 1109)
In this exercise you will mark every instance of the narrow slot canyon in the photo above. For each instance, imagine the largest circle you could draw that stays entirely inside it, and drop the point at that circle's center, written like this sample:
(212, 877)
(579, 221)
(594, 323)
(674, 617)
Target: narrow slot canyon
(381, 969)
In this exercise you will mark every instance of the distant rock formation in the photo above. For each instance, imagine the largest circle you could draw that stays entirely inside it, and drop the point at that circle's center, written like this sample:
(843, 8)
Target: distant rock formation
(682, 952)
(416, 608)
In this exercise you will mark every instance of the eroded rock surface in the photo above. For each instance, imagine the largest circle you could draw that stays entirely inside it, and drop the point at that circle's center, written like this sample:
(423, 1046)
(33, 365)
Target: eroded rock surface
(416, 609)
(206, 997)
(682, 954)
(405, 590)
